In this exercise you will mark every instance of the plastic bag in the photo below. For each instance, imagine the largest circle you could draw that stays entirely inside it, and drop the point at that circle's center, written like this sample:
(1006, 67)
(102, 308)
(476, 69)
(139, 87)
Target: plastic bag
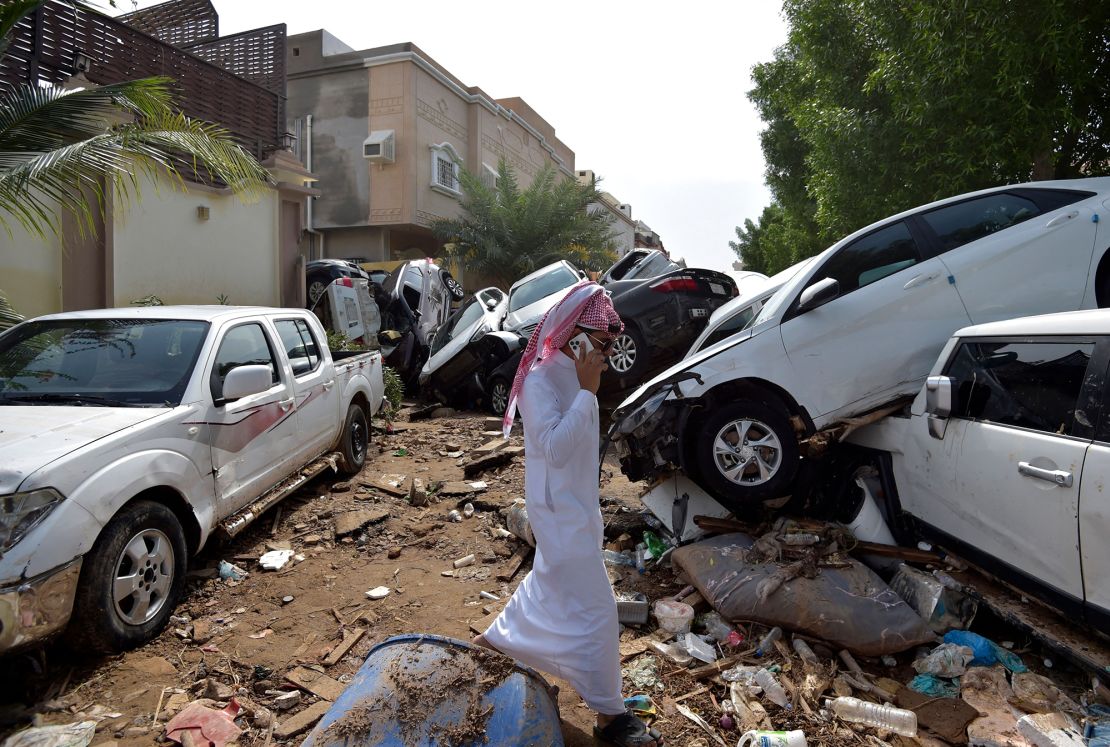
(946, 660)
(935, 687)
(987, 652)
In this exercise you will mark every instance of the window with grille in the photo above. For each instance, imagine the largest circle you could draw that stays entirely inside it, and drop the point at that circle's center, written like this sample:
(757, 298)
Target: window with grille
(445, 169)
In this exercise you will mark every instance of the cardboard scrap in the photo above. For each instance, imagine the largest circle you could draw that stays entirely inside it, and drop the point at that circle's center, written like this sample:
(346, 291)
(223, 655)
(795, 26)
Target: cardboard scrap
(948, 718)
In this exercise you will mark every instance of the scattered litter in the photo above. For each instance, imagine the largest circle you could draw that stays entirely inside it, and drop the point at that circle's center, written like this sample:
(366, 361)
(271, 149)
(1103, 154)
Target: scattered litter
(804, 651)
(448, 574)
(772, 689)
(986, 651)
(378, 592)
(898, 720)
(287, 599)
(287, 700)
(641, 705)
(1050, 730)
(632, 608)
(673, 617)
(464, 561)
(943, 607)
(468, 510)
(768, 641)
(275, 560)
(762, 738)
(67, 735)
(516, 520)
(674, 652)
(401, 453)
(454, 515)
(1036, 693)
(231, 572)
(889, 661)
(946, 660)
(700, 722)
(490, 596)
(643, 673)
(478, 484)
(715, 626)
(261, 633)
(937, 687)
(699, 649)
(617, 558)
(199, 725)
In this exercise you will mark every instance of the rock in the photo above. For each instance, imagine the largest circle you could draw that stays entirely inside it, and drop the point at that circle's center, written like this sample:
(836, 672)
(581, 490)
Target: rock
(202, 631)
(394, 553)
(173, 705)
(452, 446)
(287, 599)
(418, 496)
(217, 690)
(353, 521)
(444, 412)
(152, 665)
(135, 731)
(503, 551)
(341, 487)
(427, 528)
(312, 539)
(262, 718)
(287, 700)
(261, 686)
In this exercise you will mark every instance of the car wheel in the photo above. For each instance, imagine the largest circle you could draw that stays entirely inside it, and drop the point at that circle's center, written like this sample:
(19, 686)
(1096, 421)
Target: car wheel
(316, 288)
(453, 287)
(356, 438)
(630, 357)
(499, 396)
(131, 580)
(746, 451)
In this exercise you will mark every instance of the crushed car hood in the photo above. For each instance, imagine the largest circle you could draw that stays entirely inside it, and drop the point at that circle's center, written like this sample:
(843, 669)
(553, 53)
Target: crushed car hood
(35, 435)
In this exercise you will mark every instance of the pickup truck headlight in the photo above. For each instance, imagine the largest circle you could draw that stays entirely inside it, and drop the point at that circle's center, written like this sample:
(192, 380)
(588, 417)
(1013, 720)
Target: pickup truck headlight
(643, 413)
(21, 512)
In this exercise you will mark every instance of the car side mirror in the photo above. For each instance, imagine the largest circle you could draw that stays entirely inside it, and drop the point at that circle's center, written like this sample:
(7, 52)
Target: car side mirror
(243, 381)
(491, 304)
(819, 294)
(938, 403)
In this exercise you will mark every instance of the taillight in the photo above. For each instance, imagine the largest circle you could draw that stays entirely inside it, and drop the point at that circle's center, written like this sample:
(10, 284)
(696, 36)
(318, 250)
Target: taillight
(676, 285)
(346, 282)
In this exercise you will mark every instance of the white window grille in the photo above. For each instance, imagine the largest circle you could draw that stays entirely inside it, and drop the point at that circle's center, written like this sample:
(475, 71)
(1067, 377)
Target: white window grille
(445, 169)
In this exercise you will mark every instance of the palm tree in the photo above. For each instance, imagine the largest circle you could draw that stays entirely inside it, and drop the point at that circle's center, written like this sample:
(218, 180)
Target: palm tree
(57, 146)
(505, 232)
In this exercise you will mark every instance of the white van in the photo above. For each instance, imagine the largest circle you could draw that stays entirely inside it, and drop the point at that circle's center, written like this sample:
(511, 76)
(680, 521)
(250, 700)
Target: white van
(861, 327)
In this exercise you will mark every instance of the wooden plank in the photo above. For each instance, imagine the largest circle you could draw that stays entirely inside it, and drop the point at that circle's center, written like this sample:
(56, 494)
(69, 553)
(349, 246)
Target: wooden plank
(480, 626)
(691, 694)
(302, 721)
(350, 638)
(697, 601)
(515, 562)
(317, 683)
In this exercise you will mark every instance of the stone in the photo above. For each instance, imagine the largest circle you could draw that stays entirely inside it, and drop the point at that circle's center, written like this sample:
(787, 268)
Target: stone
(341, 487)
(152, 665)
(444, 412)
(418, 495)
(285, 701)
(173, 705)
(353, 521)
(312, 539)
(202, 631)
(217, 690)
(394, 553)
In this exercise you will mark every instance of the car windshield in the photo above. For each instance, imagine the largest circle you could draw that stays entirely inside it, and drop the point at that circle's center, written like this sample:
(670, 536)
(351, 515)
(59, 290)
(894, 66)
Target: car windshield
(545, 285)
(797, 275)
(105, 362)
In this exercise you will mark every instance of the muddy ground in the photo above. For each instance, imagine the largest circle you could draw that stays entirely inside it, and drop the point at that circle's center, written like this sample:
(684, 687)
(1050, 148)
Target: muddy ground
(248, 638)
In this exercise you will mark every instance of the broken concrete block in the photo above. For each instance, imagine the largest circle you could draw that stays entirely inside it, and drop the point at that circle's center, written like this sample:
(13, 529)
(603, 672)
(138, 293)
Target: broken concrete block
(418, 496)
(285, 701)
(353, 521)
(492, 446)
(1050, 730)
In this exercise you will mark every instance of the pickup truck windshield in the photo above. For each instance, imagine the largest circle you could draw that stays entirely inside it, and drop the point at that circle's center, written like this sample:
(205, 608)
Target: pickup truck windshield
(99, 362)
(544, 285)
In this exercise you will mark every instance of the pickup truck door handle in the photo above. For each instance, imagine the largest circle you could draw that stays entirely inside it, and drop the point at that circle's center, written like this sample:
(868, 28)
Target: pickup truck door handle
(329, 384)
(1058, 476)
(1061, 219)
(287, 403)
(917, 280)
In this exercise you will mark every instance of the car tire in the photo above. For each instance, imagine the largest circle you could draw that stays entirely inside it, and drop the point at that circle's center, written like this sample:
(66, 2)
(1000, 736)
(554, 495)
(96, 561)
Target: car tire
(145, 544)
(630, 356)
(316, 289)
(355, 441)
(453, 287)
(722, 445)
(499, 390)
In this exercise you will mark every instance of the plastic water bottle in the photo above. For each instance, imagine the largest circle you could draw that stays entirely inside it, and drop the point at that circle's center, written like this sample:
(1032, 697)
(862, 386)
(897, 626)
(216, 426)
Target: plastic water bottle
(617, 558)
(897, 720)
(800, 539)
(768, 641)
(803, 650)
(774, 692)
(654, 545)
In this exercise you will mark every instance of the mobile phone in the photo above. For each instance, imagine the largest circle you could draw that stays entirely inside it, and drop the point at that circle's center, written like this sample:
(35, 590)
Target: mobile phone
(581, 345)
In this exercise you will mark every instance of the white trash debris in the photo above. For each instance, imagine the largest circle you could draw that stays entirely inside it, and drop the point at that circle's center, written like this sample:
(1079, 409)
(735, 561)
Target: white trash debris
(378, 592)
(275, 560)
(465, 561)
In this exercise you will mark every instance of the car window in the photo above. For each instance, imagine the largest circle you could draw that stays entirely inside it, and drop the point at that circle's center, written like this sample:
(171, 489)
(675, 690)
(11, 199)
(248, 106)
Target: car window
(300, 345)
(657, 265)
(245, 345)
(735, 323)
(455, 326)
(545, 285)
(626, 263)
(1025, 384)
(870, 258)
(964, 222)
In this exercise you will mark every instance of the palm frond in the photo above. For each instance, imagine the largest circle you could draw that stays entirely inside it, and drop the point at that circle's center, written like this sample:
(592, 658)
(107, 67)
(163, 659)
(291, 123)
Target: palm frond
(9, 317)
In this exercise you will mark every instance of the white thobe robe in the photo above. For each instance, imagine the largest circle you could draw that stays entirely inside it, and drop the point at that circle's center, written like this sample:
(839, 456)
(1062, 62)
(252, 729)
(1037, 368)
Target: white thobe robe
(562, 619)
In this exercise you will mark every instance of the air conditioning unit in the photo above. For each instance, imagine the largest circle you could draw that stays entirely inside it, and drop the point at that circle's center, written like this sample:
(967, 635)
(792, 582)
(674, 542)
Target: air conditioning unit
(379, 147)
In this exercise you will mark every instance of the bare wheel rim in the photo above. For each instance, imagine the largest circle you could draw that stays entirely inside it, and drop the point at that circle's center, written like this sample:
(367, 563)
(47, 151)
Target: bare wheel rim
(747, 452)
(358, 440)
(144, 577)
(315, 290)
(500, 396)
(624, 354)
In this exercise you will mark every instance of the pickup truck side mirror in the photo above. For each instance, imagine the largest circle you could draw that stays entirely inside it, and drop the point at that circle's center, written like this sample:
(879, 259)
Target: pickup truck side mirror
(819, 294)
(243, 381)
(938, 403)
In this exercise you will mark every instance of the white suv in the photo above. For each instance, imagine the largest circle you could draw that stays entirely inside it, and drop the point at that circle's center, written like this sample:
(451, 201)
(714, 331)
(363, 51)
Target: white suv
(1007, 448)
(860, 328)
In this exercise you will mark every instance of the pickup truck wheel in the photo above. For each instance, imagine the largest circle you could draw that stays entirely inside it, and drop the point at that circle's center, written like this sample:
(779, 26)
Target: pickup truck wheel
(131, 580)
(499, 396)
(356, 437)
(746, 451)
(629, 359)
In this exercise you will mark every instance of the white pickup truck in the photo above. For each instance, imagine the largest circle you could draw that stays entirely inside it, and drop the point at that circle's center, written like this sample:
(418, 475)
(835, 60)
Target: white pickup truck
(129, 436)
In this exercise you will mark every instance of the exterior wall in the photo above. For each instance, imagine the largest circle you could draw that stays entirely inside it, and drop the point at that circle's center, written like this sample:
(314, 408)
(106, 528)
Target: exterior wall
(30, 270)
(441, 117)
(163, 248)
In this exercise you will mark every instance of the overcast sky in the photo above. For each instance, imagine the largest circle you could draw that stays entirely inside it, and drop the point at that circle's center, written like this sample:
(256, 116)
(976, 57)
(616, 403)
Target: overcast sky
(650, 95)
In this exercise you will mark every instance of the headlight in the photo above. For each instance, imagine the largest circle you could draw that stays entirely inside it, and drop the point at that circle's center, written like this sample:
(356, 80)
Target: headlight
(21, 512)
(643, 413)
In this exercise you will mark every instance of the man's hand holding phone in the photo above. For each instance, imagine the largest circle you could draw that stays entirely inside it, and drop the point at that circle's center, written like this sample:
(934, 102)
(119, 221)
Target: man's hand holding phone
(590, 363)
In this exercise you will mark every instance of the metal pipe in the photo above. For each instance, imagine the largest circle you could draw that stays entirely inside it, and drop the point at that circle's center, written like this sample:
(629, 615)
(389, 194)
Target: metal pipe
(317, 247)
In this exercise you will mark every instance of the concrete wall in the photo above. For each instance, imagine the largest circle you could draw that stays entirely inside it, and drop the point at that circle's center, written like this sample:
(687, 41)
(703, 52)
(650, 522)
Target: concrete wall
(30, 270)
(163, 248)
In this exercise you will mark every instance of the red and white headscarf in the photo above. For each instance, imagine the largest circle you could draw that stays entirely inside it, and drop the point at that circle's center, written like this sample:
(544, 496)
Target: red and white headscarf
(585, 305)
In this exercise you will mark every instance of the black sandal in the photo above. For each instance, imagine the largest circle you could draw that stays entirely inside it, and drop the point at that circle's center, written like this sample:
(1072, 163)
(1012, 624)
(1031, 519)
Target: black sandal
(626, 730)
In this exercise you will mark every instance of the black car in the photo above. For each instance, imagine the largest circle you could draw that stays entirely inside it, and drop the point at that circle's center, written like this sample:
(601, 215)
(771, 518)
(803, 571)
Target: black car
(664, 306)
(320, 273)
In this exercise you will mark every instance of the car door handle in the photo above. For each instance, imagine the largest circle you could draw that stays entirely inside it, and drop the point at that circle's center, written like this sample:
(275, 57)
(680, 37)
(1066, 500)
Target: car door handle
(1061, 219)
(917, 280)
(329, 384)
(287, 403)
(1058, 476)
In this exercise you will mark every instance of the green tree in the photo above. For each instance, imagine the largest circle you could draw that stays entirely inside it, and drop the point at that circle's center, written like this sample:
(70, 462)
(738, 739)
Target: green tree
(506, 232)
(875, 107)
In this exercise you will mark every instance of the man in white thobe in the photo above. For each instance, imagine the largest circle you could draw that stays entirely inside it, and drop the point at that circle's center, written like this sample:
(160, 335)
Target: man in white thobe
(563, 617)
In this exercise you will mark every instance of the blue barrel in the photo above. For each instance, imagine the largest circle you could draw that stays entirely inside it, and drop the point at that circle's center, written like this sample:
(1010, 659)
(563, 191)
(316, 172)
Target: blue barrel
(416, 690)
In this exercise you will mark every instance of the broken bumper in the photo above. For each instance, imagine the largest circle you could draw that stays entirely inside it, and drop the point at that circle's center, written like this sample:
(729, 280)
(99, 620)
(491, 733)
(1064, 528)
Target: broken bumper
(34, 610)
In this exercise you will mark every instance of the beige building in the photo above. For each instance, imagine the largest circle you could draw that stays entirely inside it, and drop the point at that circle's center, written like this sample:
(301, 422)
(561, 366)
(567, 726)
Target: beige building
(384, 130)
(621, 225)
